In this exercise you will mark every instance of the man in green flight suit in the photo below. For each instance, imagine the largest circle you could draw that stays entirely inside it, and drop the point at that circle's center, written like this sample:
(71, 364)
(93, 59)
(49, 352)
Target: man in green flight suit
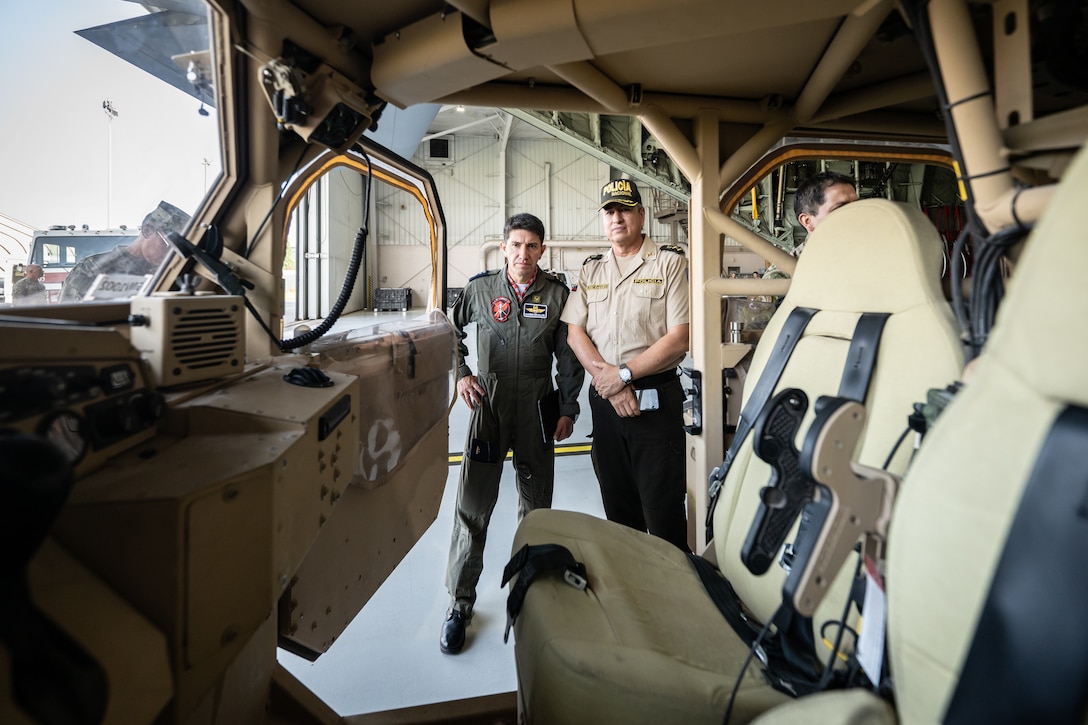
(516, 310)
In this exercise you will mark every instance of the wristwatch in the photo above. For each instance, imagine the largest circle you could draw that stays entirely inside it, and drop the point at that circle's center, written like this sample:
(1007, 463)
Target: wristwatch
(625, 374)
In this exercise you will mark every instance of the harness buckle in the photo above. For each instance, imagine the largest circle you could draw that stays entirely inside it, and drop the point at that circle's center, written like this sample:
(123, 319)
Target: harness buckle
(574, 579)
(761, 653)
(786, 560)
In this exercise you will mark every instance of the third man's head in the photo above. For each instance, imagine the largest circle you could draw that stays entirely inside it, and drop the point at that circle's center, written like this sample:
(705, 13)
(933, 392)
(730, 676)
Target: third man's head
(821, 194)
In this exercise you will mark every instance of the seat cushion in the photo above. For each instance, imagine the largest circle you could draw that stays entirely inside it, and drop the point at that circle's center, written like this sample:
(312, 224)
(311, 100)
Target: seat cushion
(844, 707)
(642, 644)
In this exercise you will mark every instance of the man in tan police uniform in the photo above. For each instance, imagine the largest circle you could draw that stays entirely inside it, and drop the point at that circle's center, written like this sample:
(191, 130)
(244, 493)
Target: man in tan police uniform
(628, 324)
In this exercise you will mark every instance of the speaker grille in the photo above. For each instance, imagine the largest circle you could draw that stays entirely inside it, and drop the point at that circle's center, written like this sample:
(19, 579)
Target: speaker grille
(205, 338)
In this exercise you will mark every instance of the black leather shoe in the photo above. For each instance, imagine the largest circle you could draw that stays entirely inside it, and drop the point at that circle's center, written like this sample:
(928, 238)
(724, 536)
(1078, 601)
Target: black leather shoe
(453, 633)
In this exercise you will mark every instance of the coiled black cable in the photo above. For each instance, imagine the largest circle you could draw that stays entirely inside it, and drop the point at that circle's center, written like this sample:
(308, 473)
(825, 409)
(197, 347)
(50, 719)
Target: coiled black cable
(338, 307)
(351, 276)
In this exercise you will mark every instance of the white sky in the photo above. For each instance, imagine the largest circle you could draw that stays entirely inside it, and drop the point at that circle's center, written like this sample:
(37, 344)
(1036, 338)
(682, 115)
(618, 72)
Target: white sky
(56, 135)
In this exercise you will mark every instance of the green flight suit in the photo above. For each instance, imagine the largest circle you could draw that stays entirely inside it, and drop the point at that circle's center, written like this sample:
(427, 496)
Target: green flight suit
(516, 343)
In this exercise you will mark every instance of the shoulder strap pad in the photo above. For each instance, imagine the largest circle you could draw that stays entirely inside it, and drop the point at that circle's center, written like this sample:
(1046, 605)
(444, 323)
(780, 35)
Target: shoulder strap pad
(673, 248)
(593, 258)
(488, 273)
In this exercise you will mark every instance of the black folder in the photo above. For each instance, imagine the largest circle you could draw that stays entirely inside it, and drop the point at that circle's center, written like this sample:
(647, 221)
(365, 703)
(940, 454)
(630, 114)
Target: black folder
(548, 410)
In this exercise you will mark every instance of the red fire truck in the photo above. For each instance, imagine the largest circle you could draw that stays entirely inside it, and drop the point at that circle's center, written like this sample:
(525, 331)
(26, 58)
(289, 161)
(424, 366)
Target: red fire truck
(58, 248)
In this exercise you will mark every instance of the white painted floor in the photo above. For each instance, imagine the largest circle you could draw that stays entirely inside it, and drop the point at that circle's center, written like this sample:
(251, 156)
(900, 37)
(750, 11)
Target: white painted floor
(388, 658)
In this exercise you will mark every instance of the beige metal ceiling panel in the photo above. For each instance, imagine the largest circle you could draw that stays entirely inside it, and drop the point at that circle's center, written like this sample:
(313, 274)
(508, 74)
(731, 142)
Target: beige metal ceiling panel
(544, 32)
(427, 60)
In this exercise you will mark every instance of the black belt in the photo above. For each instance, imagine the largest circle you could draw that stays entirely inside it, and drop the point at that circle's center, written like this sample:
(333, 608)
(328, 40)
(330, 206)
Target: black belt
(655, 380)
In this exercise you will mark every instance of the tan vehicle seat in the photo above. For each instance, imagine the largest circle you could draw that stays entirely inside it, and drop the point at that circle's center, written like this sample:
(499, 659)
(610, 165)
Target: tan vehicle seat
(645, 643)
(957, 505)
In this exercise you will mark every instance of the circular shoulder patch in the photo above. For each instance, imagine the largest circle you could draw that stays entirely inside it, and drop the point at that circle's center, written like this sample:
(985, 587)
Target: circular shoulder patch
(500, 308)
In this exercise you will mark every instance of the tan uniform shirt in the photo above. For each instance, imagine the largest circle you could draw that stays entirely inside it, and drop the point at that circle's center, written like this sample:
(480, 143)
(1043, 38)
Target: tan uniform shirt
(624, 314)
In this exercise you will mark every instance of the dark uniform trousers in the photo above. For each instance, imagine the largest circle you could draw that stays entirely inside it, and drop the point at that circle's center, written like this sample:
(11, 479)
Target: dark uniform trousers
(639, 461)
(494, 428)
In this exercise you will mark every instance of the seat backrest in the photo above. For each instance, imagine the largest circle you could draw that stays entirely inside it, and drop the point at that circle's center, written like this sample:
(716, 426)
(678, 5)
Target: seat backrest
(963, 491)
(870, 256)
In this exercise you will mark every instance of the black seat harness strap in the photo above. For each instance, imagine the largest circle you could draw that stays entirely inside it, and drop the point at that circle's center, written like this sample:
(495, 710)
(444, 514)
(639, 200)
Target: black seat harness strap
(856, 376)
(788, 655)
(787, 340)
(530, 561)
(1028, 661)
(861, 359)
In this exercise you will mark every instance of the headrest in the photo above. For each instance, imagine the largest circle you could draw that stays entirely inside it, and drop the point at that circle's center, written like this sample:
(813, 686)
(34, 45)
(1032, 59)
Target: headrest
(870, 256)
(1038, 333)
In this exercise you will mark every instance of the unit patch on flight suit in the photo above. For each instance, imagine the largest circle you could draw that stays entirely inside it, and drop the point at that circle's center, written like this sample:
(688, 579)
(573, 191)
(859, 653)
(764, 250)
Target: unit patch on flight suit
(500, 308)
(535, 310)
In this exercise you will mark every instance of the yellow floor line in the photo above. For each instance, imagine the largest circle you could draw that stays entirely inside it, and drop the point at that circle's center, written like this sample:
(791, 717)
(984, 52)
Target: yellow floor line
(560, 450)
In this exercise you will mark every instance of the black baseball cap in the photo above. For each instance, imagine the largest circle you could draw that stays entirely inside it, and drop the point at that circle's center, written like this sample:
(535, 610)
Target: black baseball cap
(620, 191)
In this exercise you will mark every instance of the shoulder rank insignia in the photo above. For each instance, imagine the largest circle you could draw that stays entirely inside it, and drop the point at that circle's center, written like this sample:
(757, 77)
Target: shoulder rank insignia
(673, 248)
(488, 273)
(553, 277)
(593, 258)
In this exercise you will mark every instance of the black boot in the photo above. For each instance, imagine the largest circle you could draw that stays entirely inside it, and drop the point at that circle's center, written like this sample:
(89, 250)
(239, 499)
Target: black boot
(453, 632)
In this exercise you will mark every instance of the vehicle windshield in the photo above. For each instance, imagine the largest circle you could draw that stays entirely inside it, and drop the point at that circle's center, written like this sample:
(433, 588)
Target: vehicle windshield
(114, 144)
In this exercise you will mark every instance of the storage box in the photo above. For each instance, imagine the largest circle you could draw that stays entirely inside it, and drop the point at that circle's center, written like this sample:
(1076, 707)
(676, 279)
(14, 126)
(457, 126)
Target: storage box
(392, 298)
